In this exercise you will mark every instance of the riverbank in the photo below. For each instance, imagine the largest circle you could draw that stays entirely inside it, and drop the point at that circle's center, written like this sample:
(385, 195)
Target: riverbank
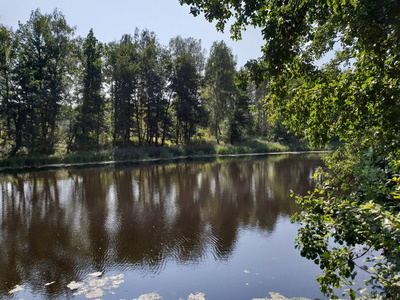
(149, 154)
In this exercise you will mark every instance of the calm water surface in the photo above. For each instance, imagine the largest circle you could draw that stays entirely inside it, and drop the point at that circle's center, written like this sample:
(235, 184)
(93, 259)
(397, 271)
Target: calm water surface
(221, 228)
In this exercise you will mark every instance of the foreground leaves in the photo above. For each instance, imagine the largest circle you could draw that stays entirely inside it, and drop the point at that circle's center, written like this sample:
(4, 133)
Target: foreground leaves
(351, 225)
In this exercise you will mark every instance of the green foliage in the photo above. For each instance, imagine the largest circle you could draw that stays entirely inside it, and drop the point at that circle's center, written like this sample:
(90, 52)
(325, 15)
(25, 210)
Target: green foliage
(185, 84)
(35, 80)
(351, 223)
(64, 94)
(341, 97)
(240, 121)
(265, 123)
(90, 115)
(154, 103)
(219, 84)
(355, 97)
(6, 61)
(122, 63)
(179, 45)
(137, 153)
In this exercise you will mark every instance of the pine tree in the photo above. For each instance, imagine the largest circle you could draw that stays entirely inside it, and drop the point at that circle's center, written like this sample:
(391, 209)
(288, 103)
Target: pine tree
(91, 112)
(123, 65)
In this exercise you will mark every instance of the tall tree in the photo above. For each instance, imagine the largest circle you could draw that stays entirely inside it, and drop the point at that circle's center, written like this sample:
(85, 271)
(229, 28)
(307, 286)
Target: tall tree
(90, 118)
(123, 62)
(72, 96)
(153, 76)
(188, 65)
(43, 45)
(6, 83)
(219, 80)
(356, 96)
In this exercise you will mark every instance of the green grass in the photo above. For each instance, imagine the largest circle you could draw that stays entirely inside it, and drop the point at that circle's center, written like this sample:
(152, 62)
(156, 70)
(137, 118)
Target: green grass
(143, 153)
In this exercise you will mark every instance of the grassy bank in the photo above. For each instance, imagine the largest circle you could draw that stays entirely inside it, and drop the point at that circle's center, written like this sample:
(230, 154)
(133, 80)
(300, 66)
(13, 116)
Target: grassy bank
(143, 153)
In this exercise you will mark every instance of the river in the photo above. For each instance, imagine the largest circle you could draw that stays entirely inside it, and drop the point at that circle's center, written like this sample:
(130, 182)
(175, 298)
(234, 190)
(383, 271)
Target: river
(219, 229)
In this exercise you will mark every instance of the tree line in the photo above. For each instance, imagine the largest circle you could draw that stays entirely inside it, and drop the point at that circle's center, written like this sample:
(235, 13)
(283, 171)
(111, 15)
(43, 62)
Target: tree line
(79, 94)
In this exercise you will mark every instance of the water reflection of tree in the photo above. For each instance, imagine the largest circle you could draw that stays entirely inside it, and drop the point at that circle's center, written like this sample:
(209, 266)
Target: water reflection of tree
(34, 238)
(56, 226)
(140, 211)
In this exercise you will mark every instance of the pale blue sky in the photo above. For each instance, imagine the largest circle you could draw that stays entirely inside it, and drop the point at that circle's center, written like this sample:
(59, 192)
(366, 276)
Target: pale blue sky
(111, 19)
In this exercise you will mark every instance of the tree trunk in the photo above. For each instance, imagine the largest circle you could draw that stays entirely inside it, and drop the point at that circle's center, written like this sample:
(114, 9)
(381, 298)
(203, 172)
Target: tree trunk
(217, 133)
(18, 135)
(217, 129)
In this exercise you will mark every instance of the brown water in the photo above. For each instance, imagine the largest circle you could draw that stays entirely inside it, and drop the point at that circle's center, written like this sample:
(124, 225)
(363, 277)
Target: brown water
(221, 228)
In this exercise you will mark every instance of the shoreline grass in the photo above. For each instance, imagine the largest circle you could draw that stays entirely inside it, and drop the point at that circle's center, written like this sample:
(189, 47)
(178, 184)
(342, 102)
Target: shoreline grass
(150, 153)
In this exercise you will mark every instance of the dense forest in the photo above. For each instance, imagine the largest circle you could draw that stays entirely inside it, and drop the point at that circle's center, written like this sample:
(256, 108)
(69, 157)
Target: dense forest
(61, 93)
